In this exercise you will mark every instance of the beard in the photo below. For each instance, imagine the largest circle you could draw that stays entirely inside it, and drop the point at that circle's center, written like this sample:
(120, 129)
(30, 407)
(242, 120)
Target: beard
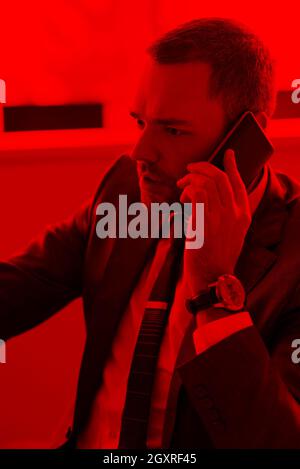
(158, 193)
(156, 186)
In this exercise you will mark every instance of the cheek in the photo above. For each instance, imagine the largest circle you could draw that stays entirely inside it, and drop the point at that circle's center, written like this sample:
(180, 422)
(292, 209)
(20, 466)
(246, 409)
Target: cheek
(190, 152)
(178, 161)
(177, 153)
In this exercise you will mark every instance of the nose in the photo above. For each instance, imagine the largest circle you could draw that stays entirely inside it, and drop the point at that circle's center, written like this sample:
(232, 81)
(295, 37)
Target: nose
(144, 149)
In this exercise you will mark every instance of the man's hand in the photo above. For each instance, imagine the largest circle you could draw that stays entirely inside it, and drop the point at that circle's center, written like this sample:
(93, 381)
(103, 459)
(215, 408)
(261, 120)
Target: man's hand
(227, 217)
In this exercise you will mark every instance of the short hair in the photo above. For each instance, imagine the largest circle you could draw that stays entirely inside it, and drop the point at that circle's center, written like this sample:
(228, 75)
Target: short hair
(243, 72)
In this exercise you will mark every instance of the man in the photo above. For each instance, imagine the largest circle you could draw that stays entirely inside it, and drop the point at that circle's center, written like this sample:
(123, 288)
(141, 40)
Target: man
(222, 379)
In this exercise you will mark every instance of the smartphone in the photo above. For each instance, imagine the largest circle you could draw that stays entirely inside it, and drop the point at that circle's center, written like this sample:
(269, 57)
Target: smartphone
(251, 146)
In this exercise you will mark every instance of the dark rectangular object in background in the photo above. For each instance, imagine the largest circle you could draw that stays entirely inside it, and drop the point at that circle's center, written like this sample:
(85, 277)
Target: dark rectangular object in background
(67, 116)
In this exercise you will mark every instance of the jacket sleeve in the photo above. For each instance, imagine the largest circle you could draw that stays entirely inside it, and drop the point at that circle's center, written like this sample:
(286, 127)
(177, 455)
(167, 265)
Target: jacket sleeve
(248, 395)
(45, 277)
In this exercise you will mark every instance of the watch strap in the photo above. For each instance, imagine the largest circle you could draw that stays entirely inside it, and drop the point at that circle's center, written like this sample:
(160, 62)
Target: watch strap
(206, 299)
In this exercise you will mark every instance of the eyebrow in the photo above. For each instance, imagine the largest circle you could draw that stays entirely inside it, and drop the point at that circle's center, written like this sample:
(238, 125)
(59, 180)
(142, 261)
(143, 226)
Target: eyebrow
(166, 121)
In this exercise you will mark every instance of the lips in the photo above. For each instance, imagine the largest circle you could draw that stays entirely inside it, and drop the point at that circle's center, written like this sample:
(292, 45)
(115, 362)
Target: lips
(149, 179)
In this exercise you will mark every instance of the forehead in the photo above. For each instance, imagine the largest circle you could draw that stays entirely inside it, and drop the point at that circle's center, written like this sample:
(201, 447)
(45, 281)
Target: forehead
(173, 89)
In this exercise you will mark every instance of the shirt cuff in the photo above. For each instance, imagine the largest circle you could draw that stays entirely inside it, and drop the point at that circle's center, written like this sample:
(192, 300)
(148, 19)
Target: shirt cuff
(216, 331)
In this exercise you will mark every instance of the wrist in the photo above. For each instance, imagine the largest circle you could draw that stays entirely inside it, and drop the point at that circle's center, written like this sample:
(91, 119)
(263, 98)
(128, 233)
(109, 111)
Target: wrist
(226, 295)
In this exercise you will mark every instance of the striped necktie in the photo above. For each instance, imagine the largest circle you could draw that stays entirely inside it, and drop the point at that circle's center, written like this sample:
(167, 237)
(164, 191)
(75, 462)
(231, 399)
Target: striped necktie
(136, 411)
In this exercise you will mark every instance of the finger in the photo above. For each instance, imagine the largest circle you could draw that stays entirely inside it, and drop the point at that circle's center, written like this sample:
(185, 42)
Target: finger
(206, 168)
(206, 194)
(189, 196)
(220, 178)
(184, 181)
(220, 189)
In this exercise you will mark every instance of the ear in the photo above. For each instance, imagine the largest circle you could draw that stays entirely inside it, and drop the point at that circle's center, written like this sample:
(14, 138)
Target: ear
(262, 119)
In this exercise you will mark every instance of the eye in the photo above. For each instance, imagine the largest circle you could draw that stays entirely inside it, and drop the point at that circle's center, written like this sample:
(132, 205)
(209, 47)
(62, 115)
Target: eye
(173, 131)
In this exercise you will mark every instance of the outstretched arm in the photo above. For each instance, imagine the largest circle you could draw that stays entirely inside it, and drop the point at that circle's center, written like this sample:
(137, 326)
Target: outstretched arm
(45, 277)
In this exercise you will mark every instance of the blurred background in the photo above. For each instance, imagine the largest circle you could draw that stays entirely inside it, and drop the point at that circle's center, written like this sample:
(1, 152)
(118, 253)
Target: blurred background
(71, 68)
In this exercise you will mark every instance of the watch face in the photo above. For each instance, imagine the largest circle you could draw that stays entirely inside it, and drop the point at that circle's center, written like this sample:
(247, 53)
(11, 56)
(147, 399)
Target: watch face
(231, 293)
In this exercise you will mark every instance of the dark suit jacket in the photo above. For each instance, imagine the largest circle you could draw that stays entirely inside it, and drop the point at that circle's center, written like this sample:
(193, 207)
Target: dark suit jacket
(242, 393)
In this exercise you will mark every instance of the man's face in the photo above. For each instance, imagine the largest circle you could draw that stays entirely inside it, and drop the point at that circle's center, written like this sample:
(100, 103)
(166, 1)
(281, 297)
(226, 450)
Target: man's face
(179, 123)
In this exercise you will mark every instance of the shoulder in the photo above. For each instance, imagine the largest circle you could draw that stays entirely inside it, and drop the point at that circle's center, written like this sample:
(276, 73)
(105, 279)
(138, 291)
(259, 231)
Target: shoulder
(282, 193)
(290, 187)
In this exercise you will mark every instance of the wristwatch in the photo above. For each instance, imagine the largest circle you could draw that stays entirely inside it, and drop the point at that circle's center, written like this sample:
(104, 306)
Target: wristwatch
(227, 293)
